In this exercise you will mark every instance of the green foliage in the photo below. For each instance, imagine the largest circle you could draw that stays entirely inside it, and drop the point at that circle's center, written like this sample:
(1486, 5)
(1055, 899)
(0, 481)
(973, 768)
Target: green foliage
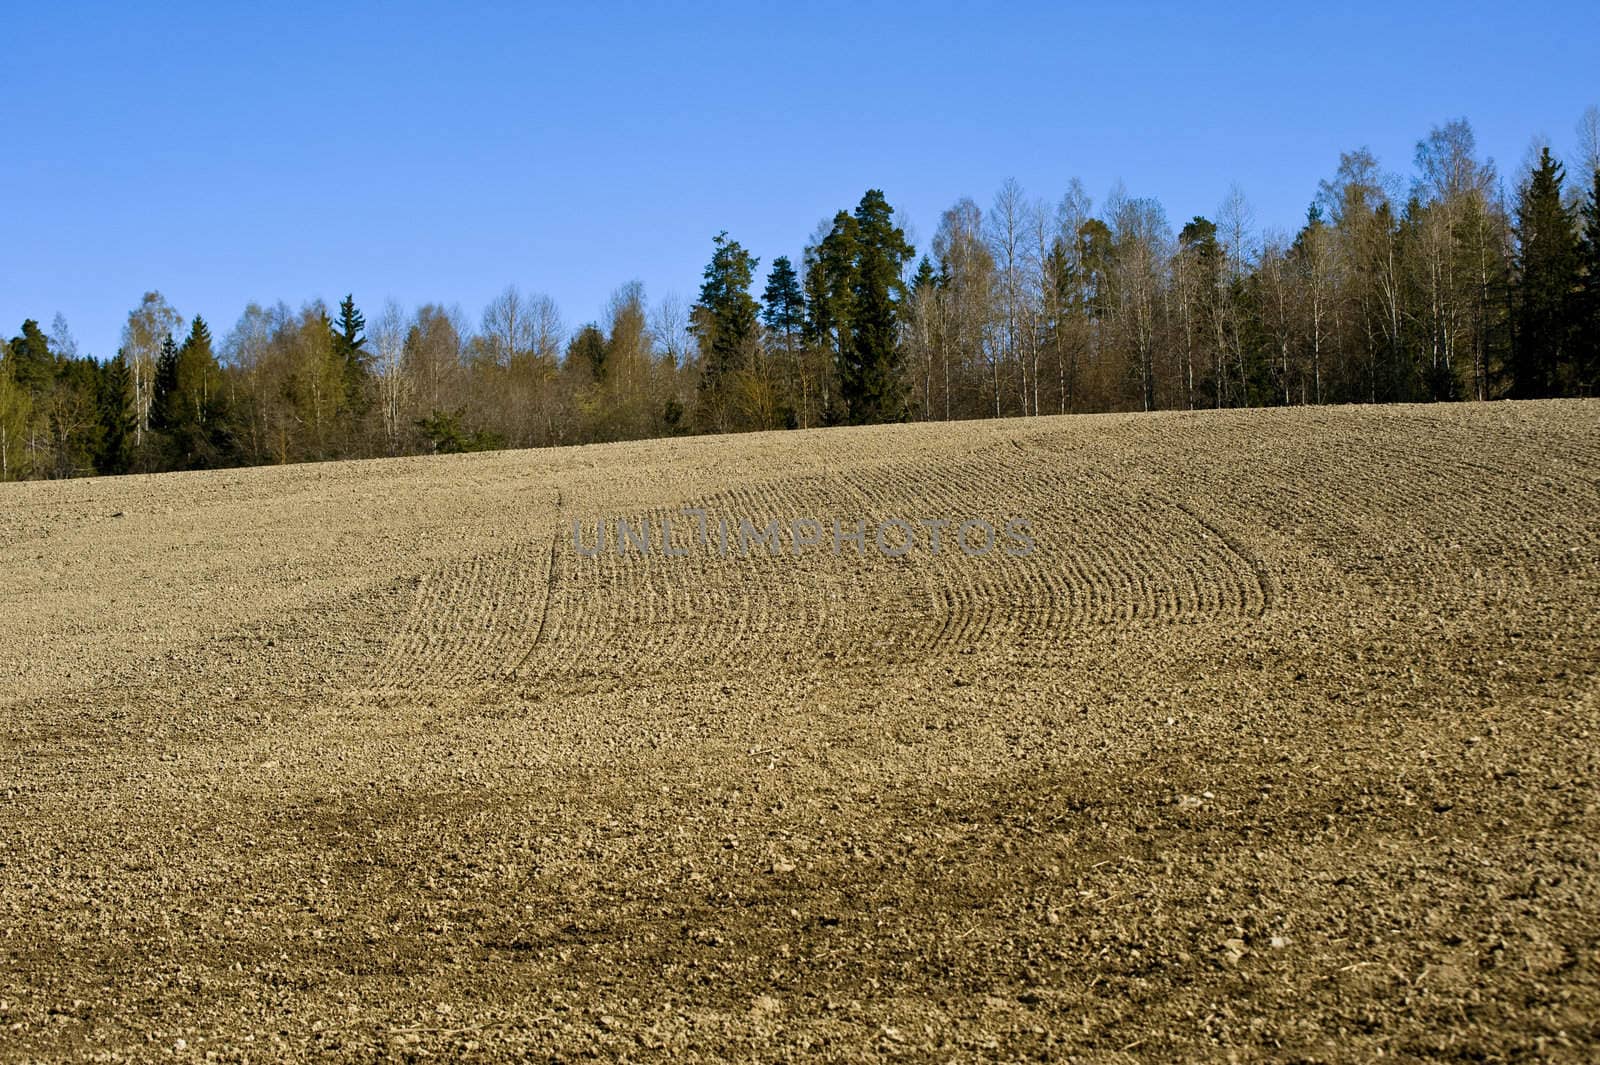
(165, 402)
(1547, 264)
(1096, 252)
(446, 433)
(72, 414)
(784, 315)
(869, 372)
(854, 288)
(784, 309)
(16, 416)
(1199, 239)
(32, 362)
(349, 348)
(33, 366)
(830, 273)
(672, 416)
(116, 418)
(1588, 311)
(588, 351)
(190, 411)
(1434, 293)
(725, 323)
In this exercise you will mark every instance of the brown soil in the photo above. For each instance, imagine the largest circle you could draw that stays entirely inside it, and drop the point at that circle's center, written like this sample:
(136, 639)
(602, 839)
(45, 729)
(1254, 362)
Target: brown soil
(1281, 746)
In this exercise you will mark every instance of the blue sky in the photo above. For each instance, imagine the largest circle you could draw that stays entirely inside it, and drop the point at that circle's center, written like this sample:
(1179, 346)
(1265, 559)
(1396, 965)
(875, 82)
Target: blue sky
(226, 153)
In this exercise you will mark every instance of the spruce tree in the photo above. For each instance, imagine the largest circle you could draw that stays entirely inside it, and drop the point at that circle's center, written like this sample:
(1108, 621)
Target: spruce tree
(164, 394)
(725, 322)
(1589, 298)
(197, 368)
(784, 314)
(154, 452)
(869, 377)
(784, 303)
(1547, 278)
(349, 345)
(201, 430)
(588, 351)
(116, 418)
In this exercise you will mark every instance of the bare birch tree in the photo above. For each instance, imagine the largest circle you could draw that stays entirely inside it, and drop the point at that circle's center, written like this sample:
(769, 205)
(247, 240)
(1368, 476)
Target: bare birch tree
(148, 325)
(388, 342)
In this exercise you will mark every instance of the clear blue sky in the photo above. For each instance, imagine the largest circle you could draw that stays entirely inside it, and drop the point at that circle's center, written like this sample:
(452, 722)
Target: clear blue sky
(226, 153)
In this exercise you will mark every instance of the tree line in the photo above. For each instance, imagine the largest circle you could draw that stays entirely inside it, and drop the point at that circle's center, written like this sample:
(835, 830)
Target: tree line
(1444, 287)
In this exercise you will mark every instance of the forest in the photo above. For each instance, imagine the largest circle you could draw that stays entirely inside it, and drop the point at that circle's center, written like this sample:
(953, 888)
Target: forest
(1445, 285)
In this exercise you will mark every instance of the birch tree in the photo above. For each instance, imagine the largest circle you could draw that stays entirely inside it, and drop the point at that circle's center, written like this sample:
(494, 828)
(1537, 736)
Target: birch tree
(1140, 238)
(967, 283)
(147, 327)
(1008, 236)
(389, 340)
(16, 414)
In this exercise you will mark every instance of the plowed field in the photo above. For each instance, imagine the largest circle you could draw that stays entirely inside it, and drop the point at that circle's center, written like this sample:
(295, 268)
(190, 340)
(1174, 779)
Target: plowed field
(1281, 742)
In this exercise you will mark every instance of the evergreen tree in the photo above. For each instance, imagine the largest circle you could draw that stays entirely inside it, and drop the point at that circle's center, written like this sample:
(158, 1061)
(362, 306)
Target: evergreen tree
(1589, 300)
(1199, 239)
(830, 295)
(349, 346)
(199, 425)
(725, 324)
(588, 351)
(116, 418)
(33, 365)
(1547, 266)
(1097, 251)
(164, 397)
(830, 280)
(1411, 377)
(784, 303)
(447, 433)
(195, 377)
(784, 314)
(870, 385)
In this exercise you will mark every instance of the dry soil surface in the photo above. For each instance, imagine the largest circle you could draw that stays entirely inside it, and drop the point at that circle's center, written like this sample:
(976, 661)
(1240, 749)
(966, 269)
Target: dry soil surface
(1280, 745)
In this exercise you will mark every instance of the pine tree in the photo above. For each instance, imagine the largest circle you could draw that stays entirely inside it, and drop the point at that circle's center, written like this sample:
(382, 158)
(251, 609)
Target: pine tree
(830, 288)
(33, 363)
(869, 374)
(784, 314)
(1547, 264)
